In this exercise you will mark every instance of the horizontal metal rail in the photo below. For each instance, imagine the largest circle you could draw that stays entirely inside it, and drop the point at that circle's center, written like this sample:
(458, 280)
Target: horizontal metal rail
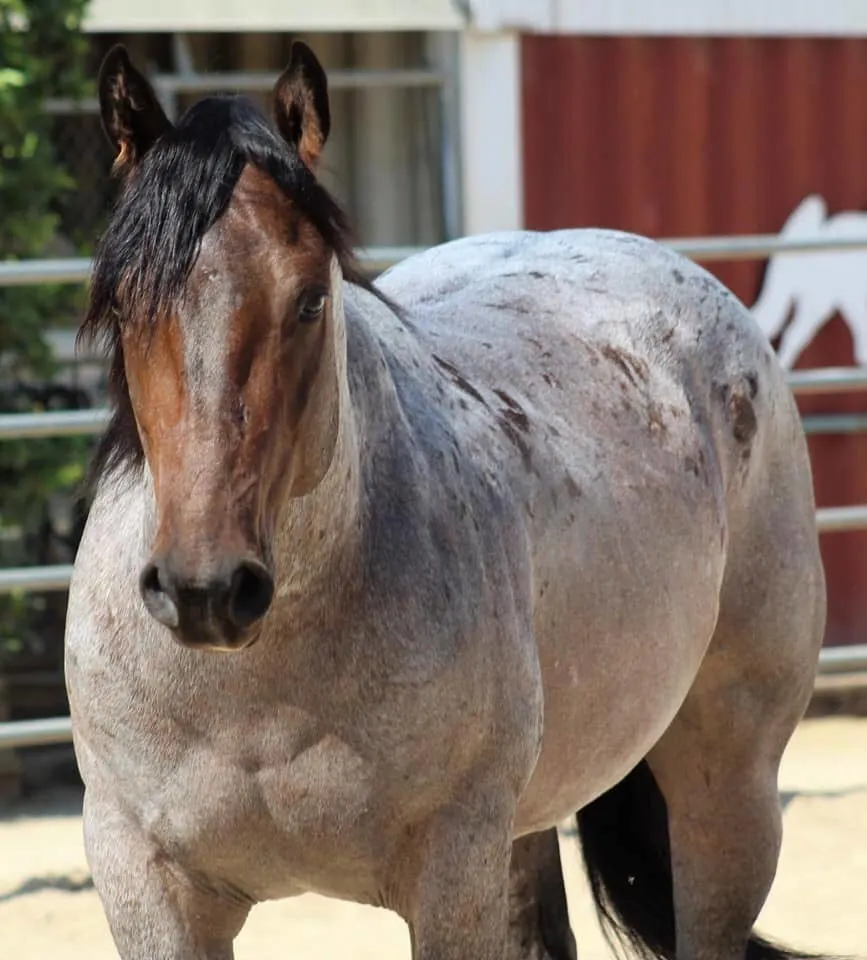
(77, 270)
(804, 383)
(20, 426)
(261, 81)
(52, 423)
(841, 519)
(35, 733)
(843, 659)
(828, 424)
(35, 579)
(31, 273)
(53, 578)
(759, 246)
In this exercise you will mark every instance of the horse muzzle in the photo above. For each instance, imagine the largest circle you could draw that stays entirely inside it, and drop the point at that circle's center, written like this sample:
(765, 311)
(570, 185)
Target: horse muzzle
(217, 609)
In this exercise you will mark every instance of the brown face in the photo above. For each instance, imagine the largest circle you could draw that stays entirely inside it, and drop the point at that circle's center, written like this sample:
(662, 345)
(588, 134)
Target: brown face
(235, 397)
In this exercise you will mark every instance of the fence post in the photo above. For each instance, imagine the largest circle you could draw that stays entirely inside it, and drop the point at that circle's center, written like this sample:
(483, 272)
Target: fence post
(10, 764)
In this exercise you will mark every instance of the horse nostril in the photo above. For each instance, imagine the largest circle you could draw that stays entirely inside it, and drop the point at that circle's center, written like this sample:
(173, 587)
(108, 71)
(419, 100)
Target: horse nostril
(156, 595)
(250, 593)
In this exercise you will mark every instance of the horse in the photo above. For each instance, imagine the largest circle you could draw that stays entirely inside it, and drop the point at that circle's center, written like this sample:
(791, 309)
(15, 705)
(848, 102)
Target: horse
(524, 528)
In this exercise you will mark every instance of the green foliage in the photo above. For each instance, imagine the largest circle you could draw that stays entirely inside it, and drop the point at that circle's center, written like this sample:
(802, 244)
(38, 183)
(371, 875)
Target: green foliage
(42, 55)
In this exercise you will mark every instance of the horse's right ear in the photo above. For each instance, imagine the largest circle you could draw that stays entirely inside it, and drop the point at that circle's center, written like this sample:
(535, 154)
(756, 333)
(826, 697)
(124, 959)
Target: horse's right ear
(132, 116)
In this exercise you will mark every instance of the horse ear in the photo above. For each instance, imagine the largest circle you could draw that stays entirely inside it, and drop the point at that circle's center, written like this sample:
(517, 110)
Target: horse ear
(301, 104)
(131, 113)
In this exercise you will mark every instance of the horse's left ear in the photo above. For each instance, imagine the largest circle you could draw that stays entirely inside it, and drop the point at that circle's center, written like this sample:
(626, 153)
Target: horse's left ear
(301, 104)
(131, 113)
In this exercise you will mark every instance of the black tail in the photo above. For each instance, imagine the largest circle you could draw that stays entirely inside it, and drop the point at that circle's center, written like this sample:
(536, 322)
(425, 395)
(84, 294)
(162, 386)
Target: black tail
(624, 836)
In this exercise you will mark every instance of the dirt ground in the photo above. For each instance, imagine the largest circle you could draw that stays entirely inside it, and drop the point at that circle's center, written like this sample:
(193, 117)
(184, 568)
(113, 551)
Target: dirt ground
(49, 910)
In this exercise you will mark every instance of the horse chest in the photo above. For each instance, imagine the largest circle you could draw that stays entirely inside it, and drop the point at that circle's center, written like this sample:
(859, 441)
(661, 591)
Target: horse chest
(274, 822)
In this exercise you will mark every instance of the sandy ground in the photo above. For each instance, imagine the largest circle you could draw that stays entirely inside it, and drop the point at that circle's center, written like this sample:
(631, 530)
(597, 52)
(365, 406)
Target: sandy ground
(49, 911)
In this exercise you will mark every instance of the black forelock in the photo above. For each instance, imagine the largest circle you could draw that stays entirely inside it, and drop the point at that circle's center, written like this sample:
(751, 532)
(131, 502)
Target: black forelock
(178, 191)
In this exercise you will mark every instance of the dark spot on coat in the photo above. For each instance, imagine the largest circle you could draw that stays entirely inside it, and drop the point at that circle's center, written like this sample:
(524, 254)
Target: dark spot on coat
(250, 763)
(631, 366)
(514, 410)
(514, 423)
(572, 488)
(458, 379)
(678, 276)
(743, 414)
(516, 306)
(517, 441)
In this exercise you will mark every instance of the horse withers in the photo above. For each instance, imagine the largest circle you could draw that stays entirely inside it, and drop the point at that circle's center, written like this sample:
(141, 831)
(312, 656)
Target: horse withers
(525, 529)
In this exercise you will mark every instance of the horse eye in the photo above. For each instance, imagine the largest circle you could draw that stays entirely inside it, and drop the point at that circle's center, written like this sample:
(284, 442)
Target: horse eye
(312, 307)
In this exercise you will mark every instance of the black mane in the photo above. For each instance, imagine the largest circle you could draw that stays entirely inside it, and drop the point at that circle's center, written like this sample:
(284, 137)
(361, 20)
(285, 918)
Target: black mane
(180, 189)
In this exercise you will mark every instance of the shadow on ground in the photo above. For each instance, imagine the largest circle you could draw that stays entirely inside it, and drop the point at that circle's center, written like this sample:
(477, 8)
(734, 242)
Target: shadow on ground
(38, 884)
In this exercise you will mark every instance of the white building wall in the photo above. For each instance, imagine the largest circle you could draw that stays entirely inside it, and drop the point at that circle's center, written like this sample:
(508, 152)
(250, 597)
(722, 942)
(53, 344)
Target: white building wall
(122, 16)
(676, 17)
(491, 131)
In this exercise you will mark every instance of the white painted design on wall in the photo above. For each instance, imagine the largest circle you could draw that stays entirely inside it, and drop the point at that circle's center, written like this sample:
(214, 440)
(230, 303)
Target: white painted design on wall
(812, 287)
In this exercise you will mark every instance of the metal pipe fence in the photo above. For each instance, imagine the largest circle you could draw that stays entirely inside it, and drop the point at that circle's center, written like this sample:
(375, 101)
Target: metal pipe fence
(29, 273)
(255, 81)
(833, 660)
(704, 249)
(53, 423)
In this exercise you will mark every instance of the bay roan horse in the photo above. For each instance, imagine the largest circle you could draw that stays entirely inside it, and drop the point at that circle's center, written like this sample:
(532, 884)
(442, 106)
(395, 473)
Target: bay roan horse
(527, 530)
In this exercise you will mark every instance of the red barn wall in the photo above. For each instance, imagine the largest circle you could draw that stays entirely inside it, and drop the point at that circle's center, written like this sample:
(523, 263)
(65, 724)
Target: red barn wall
(672, 136)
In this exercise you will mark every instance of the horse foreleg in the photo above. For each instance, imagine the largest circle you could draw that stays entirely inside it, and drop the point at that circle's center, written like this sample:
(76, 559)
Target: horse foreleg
(538, 915)
(154, 909)
(455, 899)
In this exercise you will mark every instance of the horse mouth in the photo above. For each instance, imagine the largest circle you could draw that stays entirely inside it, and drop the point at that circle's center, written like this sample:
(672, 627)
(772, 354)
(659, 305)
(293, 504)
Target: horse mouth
(222, 638)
